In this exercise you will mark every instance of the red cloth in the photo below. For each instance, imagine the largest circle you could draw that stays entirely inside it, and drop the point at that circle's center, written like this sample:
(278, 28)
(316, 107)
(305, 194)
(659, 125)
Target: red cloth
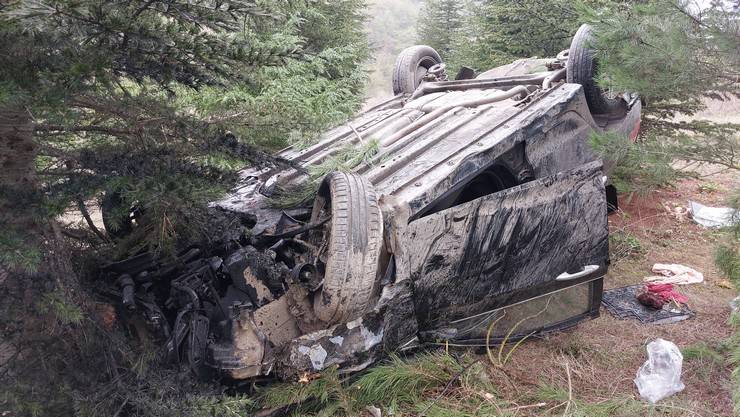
(666, 292)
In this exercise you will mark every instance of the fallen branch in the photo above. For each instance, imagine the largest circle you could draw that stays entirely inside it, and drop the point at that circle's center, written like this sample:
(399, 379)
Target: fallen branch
(86, 215)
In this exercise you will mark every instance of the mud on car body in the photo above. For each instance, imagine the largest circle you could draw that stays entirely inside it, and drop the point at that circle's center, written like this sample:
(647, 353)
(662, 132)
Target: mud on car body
(482, 216)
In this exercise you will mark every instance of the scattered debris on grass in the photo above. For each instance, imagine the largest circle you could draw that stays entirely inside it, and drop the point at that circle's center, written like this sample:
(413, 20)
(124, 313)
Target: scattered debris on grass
(624, 304)
(660, 376)
(713, 216)
(674, 274)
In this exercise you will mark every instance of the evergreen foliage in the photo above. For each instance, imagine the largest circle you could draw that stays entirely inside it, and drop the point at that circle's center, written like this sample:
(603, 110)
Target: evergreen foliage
(440, 25)
(156, 102)
(676, 56)
(398, 387)
(161, 101)
(488, 33)
(727, 259)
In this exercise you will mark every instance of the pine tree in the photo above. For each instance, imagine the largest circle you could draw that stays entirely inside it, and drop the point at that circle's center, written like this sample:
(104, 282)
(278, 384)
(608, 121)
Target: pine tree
(156, 102)
(439, 25)
(143, 100)
(498, 32)
(676, 56)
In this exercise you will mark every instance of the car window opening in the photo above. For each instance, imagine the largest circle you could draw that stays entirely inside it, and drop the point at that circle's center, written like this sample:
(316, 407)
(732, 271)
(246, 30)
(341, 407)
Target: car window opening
(494, 179)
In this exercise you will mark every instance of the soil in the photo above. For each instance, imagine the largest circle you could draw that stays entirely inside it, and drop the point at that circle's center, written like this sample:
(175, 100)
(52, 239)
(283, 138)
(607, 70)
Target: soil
(603, 355)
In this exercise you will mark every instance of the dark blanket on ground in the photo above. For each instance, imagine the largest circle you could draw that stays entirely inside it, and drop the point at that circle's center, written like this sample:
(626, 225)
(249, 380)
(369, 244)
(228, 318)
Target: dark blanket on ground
(623, 303)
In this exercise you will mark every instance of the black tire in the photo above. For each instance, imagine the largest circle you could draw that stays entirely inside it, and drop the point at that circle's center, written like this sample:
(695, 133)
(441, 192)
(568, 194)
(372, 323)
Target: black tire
(581, 69)
(411, 66)
(354, 247)
(117, 221)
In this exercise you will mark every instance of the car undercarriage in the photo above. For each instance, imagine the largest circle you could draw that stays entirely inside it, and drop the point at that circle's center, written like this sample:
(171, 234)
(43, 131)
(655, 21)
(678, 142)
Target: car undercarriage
(480, 217)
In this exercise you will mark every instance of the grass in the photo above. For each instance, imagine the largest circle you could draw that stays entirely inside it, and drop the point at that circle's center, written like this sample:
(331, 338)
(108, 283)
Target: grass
(623, 244)
(617, 406)
(437, 384)
(703, 353)
(733, 345)
(710, 187)
(430, 384)
(567, 406)
(728, 261)
(706, 359)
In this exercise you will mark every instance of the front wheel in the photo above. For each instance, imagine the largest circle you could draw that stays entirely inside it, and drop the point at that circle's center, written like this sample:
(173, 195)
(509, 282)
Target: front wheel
(354, 247)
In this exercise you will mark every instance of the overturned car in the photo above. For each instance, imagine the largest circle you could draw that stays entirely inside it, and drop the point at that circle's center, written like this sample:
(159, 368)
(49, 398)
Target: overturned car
(480, 216)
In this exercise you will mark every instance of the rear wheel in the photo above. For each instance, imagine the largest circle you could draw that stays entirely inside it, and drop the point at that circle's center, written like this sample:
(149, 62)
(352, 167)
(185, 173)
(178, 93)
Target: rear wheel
(354, 246)
(582, 67)
(411, 66)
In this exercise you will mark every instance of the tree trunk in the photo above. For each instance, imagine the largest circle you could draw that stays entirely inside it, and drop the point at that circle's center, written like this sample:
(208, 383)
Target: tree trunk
(17, 157)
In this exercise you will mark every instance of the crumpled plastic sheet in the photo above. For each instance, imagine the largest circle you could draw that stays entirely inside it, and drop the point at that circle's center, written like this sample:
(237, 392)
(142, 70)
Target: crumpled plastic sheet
(735, 304)
(713, 216)
(660, 376)
(674, 274)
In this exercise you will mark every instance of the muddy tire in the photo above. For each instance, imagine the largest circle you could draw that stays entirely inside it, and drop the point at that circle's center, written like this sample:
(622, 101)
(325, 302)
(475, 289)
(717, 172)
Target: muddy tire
(581, 69)
(355, 244)
(117, 222)
(411, 66)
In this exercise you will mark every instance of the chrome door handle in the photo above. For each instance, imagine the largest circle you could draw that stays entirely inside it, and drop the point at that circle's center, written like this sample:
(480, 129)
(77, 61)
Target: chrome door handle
(586, 270)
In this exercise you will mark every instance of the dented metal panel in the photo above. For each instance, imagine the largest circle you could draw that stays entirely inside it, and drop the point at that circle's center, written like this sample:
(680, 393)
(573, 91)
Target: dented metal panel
(463, 260)
(391, 325)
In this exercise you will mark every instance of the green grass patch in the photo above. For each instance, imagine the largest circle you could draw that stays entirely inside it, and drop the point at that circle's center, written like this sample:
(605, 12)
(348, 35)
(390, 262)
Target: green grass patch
(702, 352)
(727, 259)
(623, 245)
(432, 384)
(710, 187)
(568, 406)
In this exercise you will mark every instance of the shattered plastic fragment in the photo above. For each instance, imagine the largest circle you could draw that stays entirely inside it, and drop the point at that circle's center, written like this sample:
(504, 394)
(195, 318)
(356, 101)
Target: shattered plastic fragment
(316, 353)
(374, 411)
(660, 376)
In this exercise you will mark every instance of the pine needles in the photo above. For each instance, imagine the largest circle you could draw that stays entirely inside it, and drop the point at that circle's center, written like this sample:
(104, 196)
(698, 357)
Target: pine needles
(727, 259)
(346, 159)
(432, 384)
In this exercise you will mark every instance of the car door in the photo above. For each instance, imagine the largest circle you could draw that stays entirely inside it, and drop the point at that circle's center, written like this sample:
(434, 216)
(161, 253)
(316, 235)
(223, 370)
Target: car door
(545, 237)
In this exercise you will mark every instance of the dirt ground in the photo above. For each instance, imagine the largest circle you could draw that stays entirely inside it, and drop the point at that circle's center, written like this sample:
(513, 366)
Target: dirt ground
(603, 355)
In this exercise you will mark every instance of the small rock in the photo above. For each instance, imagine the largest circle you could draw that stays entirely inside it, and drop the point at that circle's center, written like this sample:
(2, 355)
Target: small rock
(374, 411)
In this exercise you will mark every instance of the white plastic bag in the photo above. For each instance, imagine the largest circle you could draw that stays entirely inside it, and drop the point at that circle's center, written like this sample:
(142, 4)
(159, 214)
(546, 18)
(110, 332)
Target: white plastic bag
(660, 376)
(713, 216)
